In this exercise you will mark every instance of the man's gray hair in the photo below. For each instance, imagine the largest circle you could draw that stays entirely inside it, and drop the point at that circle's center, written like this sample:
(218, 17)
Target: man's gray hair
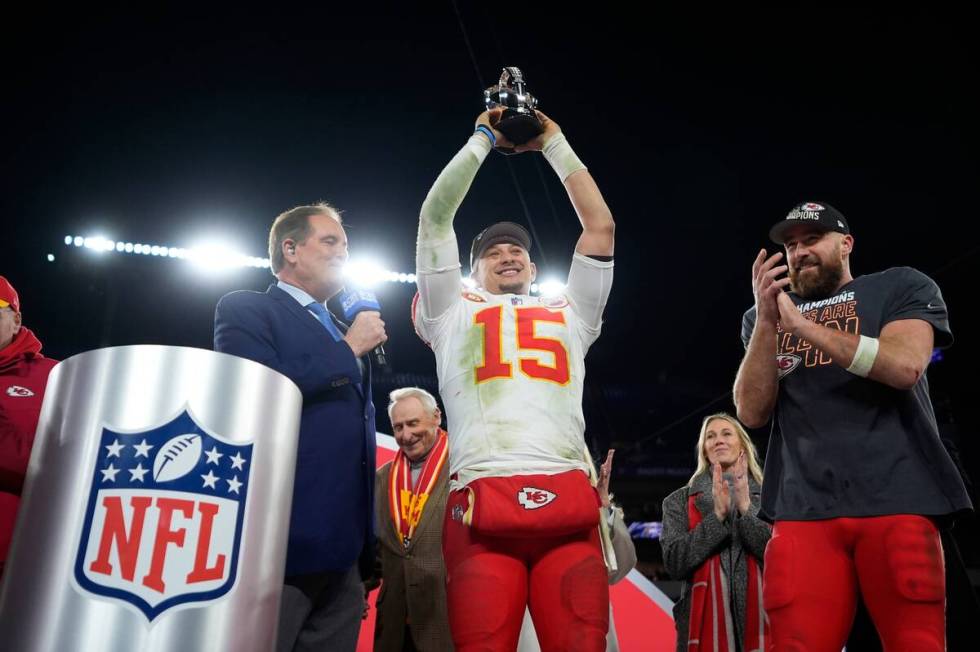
(294, 224)
(427, 400)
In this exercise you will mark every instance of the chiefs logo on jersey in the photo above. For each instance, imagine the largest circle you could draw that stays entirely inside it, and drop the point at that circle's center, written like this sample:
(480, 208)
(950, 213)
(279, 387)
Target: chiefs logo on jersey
(473, 296)
(554, 302)
(786, 362)
(534, 498)
(18, 391)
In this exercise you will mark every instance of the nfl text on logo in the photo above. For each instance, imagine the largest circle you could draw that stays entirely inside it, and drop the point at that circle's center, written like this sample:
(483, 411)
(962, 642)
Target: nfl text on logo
(164, 516)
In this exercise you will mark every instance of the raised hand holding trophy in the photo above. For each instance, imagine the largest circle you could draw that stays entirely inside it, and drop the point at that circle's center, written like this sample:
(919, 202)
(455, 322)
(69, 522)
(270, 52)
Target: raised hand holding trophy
(519, 123)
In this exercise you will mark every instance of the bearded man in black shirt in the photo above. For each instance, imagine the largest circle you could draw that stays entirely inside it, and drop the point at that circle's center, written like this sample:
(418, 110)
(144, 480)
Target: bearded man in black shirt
(856, 477)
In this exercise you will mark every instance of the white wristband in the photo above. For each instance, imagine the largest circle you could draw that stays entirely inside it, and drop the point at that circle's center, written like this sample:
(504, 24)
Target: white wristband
(561, 157)
(864, 357)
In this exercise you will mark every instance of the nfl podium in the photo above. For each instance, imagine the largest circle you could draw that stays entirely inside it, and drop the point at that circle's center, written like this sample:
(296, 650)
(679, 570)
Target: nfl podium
(156, 506)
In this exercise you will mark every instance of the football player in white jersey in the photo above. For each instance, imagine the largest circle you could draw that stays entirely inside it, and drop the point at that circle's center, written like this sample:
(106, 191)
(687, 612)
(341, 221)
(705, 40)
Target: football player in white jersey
(522, 520)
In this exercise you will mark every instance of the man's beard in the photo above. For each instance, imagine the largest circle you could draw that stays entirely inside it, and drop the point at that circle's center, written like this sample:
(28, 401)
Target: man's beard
(512, 288)
(820, 285)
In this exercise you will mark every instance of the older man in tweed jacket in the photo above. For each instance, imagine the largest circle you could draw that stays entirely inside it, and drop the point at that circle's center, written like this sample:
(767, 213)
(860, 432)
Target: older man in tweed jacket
(410, 501)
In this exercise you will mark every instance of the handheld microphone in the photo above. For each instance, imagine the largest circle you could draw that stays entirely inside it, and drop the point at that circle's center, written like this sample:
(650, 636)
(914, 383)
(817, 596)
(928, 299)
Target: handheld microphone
(354, 301)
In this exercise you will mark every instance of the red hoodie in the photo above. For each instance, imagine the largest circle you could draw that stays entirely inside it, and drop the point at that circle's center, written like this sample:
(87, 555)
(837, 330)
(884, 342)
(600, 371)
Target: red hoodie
(23, 377)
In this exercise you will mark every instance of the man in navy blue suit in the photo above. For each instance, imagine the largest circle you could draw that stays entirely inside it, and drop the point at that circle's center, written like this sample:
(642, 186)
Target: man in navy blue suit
(289, 329)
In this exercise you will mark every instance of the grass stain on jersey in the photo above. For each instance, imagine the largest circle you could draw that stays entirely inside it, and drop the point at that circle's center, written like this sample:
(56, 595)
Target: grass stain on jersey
(572, 454)
(470, 354)
(502, 435)
(491, 391)
(469, 357)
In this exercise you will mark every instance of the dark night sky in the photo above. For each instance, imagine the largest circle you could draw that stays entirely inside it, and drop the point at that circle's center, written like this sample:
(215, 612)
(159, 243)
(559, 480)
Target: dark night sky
(700, 129)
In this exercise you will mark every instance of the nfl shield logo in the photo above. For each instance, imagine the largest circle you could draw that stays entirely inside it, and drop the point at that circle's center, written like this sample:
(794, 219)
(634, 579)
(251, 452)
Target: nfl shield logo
(164, 517)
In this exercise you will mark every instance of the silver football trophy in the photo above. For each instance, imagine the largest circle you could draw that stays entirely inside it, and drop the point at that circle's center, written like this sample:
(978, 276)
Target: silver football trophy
(518, 123)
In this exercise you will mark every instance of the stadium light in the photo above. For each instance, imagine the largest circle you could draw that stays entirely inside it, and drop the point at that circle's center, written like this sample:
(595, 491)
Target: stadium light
(215, 256)
(550, 288)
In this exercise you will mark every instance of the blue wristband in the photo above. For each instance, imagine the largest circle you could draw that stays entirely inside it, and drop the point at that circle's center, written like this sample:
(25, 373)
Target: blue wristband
(485, 130)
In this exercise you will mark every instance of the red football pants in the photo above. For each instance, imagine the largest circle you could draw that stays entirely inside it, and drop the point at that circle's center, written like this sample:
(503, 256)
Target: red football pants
(813, 570)
(490, 580)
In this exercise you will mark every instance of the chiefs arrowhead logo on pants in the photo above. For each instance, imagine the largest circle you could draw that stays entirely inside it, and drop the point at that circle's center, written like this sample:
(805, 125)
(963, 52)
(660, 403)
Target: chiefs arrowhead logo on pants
(533, 498)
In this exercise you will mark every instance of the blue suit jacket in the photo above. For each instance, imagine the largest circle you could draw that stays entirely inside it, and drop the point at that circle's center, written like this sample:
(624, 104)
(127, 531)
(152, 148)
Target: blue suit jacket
(333, 496)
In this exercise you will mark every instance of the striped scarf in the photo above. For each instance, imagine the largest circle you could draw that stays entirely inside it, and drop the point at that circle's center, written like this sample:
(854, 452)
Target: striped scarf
(405, 501)
(710, 627)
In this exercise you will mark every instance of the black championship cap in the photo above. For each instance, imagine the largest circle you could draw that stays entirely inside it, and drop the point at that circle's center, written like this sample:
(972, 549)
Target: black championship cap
(818, 215)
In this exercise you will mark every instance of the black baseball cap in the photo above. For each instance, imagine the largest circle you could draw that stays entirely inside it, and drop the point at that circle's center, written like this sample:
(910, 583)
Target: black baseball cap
(496, 234)
(819, 215)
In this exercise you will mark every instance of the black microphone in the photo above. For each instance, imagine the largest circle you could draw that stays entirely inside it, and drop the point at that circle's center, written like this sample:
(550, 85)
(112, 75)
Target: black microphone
(354, 301)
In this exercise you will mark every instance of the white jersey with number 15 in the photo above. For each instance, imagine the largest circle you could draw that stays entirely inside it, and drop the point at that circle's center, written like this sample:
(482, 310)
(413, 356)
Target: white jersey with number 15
(511, 370)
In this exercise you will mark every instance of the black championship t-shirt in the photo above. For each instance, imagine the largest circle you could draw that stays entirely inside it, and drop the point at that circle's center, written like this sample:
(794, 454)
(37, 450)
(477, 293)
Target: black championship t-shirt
(850, 446)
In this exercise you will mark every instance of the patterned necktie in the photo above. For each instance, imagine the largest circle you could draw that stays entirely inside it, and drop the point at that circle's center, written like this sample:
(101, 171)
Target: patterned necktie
(320, 312)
